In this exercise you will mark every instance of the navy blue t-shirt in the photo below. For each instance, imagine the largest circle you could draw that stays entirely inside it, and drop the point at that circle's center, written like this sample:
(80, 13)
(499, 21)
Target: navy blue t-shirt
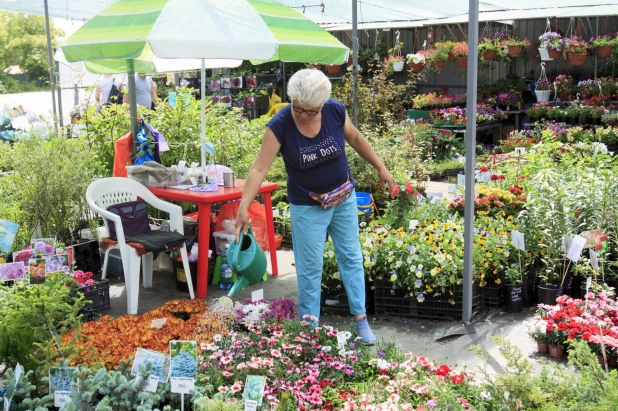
(318, 164)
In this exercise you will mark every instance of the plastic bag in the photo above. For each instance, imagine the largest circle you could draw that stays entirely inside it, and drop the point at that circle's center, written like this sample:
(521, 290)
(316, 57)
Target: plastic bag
(257, 217)
(145, 153)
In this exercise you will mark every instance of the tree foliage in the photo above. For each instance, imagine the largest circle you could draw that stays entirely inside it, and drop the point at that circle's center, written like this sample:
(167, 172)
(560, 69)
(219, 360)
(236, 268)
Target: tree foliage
(23, 42)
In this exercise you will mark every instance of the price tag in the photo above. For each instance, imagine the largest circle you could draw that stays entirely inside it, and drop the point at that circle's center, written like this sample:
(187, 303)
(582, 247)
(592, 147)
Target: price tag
(159, 323)
(566, 243)
(461, 180)
(520, 150)
(413, 225)
(257, 295)
(275, 212)
(575, 251)
(462, 160)
(250, 405)
(594, 260)
(61, 398)
(182, 385)
(518, 240)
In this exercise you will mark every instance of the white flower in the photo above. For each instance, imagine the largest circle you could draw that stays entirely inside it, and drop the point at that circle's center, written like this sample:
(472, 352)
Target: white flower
(327, 348)
(485, 395)
(416, 58)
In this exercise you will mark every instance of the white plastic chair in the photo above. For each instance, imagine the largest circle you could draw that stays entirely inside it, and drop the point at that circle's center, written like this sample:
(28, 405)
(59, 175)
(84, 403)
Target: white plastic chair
(108, 191)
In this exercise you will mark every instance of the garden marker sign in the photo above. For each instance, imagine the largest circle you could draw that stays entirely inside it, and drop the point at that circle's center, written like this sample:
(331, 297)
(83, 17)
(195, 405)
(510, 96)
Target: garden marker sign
(575, 250)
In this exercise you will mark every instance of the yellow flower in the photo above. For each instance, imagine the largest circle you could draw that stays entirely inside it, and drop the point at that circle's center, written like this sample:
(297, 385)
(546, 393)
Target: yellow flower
(498, 281)
(489, 254)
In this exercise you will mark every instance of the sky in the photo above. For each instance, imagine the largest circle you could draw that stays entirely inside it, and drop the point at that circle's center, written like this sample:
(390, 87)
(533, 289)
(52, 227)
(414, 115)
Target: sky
(68, 26)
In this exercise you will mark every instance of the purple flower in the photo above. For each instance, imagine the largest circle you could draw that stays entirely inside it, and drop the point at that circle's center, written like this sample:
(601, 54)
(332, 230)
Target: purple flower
(432, 404)
(48, 249)
(381, 353)
(352, 345)
(39, 246)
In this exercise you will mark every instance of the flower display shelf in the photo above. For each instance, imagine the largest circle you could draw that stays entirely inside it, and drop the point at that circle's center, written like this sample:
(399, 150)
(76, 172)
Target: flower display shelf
(335, 299)
(414, 114)
(96, 296)
(393, 301)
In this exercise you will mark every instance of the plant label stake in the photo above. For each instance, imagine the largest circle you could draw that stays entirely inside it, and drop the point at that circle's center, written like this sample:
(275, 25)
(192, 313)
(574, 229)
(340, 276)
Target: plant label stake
(594, 260)
(12, 385)
(576, 248)
(413, 224)
(250, 405)
(518, 240)
(588, 285)
(257, 295)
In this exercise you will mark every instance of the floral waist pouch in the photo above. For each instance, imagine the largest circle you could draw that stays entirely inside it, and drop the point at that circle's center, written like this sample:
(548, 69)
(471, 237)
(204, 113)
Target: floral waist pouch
(334, 197)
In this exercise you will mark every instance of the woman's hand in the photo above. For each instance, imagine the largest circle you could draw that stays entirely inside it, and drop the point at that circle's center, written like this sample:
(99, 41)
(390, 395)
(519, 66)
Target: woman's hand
(386, 179)
(242, 222)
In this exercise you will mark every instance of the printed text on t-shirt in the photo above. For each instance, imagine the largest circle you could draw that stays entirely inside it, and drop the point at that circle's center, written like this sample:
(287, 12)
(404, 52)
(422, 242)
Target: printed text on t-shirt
(311, 156)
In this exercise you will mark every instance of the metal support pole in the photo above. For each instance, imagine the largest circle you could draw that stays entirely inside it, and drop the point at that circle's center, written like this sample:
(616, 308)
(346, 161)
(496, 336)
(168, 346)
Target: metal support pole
(596, 58)
(132, 102)
(473, 30)
(285, 82)
(355, 61)
(52, 78)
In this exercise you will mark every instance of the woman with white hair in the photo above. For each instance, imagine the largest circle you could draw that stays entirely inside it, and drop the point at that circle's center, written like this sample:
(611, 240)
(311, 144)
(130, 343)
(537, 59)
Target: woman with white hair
(311, 134)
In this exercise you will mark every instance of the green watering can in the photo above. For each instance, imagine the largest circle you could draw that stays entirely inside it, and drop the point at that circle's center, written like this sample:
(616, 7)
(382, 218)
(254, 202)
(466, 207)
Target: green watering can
(247, 260)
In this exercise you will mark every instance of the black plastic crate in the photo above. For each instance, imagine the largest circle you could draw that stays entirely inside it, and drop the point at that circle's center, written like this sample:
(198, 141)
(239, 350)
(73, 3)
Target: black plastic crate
(493, 296)
(88, 315)
(96, 296)
(335, 300)
(392, 301)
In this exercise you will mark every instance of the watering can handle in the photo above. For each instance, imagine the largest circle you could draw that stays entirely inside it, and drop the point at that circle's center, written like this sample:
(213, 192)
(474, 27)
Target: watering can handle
(237, 249)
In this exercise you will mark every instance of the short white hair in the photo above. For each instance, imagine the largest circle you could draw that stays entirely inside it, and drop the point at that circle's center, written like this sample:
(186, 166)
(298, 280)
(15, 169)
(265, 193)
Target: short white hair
(310, 87)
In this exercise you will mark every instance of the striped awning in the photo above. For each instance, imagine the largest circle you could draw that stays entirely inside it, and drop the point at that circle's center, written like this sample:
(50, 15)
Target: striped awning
(232, 29)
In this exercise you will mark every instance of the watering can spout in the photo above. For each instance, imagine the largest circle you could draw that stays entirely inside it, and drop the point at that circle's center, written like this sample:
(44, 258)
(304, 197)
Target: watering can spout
(241, 282)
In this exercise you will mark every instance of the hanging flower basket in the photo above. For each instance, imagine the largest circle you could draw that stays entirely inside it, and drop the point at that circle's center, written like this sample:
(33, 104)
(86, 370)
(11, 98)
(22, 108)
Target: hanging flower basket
(397, 65)
(542, 96)
(577, 59)
(415, 67)
(554, 54)
(333, 69)
(463, 62)
(514, 51)
(490, 55)
(439, 64)
(451, 57)
(604, 52)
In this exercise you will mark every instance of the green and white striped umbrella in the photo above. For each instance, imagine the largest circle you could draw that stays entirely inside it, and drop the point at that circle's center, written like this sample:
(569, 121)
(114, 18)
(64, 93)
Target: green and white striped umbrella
(214, 29)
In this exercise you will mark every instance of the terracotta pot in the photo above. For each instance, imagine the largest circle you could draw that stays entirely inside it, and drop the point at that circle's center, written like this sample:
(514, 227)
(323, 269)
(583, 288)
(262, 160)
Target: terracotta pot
(463, 62)
(415, 67)
(602, 362)
(564, 96)
(604, 52)
(542, 347)
(556, 351)
(577, 59)
(490, 55)
(350, 60)
(514, 50)
(451, 57)
(333, 69)
(555, 54)
(439, 64)
(584, 95)
(318, 66)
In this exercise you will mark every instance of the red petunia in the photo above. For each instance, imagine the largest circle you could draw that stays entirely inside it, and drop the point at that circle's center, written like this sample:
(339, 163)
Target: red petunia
(495, 177)
(443, 370)
(396, 190)
(457, 379)
(484, 169)
(409, 187)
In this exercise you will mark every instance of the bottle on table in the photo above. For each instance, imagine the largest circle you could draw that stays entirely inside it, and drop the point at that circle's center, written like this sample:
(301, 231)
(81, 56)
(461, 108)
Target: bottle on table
(225, 280)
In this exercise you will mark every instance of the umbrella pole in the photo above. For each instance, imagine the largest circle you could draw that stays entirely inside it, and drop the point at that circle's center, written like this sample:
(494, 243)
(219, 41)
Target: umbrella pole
(132, 102)
(203, 137)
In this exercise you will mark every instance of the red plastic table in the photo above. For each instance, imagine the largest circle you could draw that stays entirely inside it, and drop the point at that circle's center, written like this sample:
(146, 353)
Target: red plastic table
(204, 200)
